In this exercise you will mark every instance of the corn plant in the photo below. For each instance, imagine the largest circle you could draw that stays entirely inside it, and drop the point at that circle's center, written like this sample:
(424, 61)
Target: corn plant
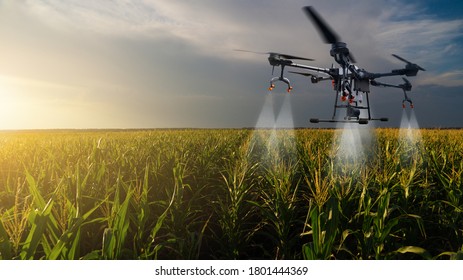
(230, 194)
(279, 197)
(233, 209)
(323, 221)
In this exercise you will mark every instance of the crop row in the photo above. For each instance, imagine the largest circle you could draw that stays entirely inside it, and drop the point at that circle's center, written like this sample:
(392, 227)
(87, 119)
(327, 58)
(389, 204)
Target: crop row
(232, 194)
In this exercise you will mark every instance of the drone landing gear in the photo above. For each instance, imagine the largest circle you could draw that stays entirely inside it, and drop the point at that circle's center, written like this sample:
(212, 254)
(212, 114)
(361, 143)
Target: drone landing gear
(280, 78)
(409, 101)
(406, 99)
(285, 80)
(353, 110)
(359, 121)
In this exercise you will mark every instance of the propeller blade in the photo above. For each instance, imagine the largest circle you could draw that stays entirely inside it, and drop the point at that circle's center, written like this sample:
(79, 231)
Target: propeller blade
(323, 28)
(408, 62)
(303, 74)
(419, 67)
(351, 58)
(238, 50)
(288, 56)
(282, 55)
(400, 58)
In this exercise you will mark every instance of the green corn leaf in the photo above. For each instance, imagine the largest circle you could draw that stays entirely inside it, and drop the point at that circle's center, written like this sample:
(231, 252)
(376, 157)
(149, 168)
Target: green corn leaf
(109, 245)
(36, 234)
(5, 244)
(414, 250)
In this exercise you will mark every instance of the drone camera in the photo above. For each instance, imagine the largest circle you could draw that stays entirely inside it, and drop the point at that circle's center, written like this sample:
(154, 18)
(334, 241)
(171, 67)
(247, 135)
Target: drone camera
(353, 112)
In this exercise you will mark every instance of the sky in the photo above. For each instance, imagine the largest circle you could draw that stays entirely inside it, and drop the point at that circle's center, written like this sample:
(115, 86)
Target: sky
(172, 64)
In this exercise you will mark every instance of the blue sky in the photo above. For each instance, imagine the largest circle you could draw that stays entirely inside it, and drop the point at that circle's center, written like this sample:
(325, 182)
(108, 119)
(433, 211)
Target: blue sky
(444, 8)
(152, 63)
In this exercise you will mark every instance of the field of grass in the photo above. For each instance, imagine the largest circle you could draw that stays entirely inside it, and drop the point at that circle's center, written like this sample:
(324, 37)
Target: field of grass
(230, 194)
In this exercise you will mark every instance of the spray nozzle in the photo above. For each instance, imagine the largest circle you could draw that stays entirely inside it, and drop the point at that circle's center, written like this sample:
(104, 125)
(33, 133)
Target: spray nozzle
(409, 101)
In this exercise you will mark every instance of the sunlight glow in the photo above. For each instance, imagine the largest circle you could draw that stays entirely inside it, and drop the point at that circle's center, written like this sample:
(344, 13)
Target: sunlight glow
(34, 104)
(7, 101)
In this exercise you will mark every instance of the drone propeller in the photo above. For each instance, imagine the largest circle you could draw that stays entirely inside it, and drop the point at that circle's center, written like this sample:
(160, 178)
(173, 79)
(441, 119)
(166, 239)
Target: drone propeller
(281, 55)
(288, 56)
(328, 35)
(239, 50)
(409, 63)
(351, 58)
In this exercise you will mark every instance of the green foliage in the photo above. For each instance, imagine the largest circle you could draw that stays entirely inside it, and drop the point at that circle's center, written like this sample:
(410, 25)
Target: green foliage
(230, 194)
(324, 222)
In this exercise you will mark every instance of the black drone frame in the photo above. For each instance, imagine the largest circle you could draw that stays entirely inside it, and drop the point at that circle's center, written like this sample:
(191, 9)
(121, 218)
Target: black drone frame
(350, 82)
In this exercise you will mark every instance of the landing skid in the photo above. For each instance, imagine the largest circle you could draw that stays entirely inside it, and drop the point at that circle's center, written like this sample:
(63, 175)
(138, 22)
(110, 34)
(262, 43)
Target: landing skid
(359, 121)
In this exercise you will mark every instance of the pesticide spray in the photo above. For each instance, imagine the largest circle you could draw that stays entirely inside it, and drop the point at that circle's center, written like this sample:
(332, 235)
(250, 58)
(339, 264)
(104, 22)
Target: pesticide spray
(409, 137)
(276, 115)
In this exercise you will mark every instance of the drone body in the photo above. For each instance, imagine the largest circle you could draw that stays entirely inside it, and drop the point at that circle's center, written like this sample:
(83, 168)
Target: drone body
(351, 83)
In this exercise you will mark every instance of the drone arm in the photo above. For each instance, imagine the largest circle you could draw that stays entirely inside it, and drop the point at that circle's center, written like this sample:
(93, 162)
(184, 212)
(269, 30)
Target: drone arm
(398, 72)
(379, 84)
(324, 78)
(393, 73)
(311, 68)
(405, 86)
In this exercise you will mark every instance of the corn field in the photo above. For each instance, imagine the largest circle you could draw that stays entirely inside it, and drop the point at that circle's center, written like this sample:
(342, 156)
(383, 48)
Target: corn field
(230, 194)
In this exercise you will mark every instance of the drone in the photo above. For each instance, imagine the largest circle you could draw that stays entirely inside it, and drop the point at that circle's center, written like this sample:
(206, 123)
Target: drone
(351, 83)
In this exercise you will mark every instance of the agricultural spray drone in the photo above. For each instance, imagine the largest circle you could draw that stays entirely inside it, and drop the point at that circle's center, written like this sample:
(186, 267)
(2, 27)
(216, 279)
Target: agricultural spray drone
(350, 82)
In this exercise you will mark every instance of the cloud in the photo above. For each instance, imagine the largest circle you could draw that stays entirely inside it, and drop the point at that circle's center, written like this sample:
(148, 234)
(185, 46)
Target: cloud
(399, 27)
(203, 26)
(213, 27)
(426, 39)
(446, 79)
(103, 16)
(178, 54)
